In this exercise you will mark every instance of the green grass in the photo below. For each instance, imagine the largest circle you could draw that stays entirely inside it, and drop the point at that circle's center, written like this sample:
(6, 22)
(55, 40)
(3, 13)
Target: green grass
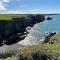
(57, 36)
(52, 49)
(10, 16)
(5, 17)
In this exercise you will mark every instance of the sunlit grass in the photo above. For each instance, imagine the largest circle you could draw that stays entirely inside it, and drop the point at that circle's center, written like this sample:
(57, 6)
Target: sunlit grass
(10, 16)
(5, 17)
(52, 49)
(57, 36)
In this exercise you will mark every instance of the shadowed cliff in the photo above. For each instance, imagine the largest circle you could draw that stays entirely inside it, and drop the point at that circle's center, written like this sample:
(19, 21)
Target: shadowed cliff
(14, 30)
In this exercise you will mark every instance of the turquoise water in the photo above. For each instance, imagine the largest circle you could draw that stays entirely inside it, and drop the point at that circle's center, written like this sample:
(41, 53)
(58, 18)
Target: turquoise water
(39, 31)
(49, 26)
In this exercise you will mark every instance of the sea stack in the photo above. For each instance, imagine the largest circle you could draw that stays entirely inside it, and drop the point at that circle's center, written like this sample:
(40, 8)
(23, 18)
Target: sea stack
(49, 18)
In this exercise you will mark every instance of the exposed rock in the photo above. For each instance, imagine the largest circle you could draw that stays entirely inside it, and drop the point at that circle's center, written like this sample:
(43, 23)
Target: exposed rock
(11, 31)
(49, 18)
(49, 37)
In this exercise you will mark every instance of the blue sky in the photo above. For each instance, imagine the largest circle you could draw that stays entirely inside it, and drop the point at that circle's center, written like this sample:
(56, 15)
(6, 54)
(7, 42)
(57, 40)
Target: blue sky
(30, 6)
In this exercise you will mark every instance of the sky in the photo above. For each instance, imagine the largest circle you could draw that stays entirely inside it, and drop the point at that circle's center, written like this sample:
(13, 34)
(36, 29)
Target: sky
(29, 6)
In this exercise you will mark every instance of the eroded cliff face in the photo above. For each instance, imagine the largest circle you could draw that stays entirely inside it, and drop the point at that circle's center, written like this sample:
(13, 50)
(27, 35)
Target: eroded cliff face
(14, 30)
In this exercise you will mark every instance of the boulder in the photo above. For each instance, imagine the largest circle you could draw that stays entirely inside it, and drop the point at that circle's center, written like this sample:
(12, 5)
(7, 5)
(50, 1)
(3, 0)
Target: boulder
(49, 18)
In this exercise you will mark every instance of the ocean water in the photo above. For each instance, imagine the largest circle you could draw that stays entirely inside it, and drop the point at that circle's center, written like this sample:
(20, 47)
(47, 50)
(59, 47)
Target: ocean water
(40, 30)
(50, 26)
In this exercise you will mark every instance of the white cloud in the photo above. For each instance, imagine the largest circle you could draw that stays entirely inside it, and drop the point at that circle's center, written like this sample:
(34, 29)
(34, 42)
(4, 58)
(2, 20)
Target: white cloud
(42, 11)
(13, 12)
(33, 11)
(6, 1)
(39, 11)
(16, 12)
(2, 6)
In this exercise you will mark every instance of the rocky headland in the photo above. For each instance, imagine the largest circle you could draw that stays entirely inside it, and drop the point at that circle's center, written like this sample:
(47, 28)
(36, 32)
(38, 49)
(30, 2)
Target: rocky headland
(13, 31)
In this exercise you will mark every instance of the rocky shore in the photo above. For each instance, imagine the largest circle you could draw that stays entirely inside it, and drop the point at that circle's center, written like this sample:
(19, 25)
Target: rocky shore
(13, 31)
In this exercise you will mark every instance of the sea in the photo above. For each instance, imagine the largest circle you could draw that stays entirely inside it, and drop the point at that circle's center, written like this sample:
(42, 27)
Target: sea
(40, 30)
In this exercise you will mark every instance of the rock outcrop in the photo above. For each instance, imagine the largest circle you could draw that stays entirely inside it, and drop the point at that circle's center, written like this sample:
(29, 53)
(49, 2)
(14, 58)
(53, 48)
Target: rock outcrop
(14, 30)
(49, 37)
(49, 18)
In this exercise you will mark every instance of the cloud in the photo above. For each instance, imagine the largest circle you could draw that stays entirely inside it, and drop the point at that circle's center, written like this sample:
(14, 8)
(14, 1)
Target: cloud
(6, 1)
(43, 11)
(2, 6)
(33, 11)
(14, 12)
(40, 11)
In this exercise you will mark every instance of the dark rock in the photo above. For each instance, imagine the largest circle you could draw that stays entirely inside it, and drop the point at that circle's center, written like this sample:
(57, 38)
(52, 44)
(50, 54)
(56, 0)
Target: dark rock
(51, 34)
(11, 31)
(48, 38)
(49, 18)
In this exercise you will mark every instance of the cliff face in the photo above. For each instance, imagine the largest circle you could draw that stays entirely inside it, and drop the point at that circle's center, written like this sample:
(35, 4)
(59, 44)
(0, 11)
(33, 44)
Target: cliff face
(14, 30)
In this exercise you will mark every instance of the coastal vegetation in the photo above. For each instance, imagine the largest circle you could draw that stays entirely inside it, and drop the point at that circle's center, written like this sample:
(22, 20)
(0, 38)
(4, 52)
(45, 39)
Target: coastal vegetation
(10, 16)
(46, 51)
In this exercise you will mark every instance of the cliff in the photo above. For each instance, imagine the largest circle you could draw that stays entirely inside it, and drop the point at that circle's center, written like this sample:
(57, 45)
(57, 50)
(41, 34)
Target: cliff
(14, 30)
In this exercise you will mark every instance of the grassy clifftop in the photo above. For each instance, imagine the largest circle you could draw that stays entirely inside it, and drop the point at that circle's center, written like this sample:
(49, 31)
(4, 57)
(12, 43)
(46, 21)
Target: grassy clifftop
(9, 16)
(48, 51)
